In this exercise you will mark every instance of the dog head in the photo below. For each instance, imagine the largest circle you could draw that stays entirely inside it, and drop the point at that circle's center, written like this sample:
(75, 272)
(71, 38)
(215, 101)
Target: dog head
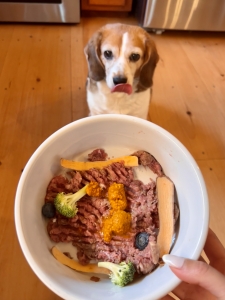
(122, 55)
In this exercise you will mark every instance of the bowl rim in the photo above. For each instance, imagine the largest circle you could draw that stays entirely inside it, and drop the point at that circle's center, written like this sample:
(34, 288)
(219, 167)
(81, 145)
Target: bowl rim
(112, 117)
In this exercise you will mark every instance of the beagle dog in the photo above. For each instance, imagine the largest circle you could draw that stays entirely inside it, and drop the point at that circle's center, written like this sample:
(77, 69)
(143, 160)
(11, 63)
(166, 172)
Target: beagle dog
(121, 62)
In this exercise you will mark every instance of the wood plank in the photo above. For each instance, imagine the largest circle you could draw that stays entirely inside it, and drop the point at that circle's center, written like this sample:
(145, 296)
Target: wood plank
(6, 33)
(214, 175)
(33, 107)
(78, 72)
(188, 105)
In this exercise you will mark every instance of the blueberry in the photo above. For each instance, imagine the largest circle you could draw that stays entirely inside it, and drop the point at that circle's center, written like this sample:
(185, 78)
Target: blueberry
(141, 240)
(48, 210)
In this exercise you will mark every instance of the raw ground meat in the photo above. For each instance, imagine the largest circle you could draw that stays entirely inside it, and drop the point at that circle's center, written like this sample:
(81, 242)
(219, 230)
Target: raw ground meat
(147, 160)
(84, 230)
(97, 155)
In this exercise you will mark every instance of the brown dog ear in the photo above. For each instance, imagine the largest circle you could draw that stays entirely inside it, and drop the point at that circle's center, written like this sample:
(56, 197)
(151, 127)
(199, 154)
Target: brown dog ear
(96, 70)
(151, 59)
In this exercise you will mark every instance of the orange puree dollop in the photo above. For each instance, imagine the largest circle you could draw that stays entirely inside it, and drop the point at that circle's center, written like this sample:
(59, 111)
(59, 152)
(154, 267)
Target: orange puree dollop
(117, 224)
(117, 197)
(119, 221)
(94, 189)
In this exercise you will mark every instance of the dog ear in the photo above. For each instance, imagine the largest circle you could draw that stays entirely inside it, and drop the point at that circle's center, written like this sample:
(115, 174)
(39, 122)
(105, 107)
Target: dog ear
(151, 59)
(96, 70)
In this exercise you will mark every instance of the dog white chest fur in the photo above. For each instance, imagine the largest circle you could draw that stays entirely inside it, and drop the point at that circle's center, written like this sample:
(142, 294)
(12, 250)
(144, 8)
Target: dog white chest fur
(121, 62)
(103, 101)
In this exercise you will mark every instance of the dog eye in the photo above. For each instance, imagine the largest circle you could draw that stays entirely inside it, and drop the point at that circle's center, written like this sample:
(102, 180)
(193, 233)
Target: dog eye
(134, 57)
(108, 54)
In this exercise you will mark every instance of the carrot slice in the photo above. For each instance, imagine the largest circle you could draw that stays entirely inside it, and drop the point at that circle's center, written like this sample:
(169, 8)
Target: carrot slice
(129, 161)
(165, 193)
(75, 265)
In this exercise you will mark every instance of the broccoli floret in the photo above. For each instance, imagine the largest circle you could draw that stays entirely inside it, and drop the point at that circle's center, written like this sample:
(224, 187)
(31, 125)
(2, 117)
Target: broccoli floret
(66, 204)
(121, 274)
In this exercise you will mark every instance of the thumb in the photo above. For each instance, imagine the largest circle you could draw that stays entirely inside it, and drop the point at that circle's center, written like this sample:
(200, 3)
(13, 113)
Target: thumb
(197, 272)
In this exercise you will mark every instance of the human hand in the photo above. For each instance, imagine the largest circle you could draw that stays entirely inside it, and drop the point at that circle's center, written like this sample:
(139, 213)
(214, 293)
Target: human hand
(200, 280)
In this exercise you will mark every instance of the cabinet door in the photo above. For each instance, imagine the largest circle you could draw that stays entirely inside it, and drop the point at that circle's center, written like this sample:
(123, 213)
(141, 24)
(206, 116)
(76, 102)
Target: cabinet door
(106, 5)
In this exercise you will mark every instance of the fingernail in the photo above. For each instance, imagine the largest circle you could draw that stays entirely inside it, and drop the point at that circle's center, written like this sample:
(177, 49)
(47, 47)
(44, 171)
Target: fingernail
(173, 261)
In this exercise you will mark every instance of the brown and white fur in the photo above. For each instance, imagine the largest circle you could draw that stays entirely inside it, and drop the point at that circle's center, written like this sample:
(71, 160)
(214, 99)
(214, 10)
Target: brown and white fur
(121, 62)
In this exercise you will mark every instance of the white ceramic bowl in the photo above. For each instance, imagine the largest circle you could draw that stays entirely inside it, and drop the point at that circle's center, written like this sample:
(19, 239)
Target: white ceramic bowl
(119, 135)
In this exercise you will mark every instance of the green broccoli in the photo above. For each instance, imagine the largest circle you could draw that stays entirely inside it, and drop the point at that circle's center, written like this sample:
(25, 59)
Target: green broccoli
(122, 273)
(66, 204)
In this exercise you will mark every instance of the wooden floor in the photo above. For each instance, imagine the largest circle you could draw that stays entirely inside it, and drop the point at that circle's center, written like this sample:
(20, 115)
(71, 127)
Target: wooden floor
(42, 88)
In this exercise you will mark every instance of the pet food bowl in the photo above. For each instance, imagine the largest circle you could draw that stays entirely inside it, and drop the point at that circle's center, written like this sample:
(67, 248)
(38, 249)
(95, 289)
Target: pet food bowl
(118, 135)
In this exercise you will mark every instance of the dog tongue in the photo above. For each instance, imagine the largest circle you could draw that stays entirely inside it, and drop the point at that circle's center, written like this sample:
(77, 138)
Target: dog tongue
(122, 88)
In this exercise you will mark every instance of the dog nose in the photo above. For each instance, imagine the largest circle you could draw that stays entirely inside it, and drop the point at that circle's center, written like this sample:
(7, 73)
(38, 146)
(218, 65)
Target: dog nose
(119, 80)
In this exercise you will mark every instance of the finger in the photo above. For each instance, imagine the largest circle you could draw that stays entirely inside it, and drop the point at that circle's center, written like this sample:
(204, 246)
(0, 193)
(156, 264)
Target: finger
(197, 272)
(214, 249)
(185, 289)
(215, 252)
